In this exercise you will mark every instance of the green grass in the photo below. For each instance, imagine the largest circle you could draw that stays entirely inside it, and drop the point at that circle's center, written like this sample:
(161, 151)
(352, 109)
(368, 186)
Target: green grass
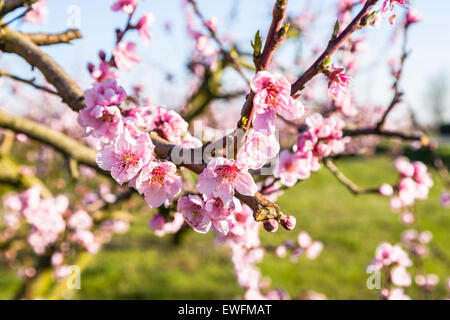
(138, 265)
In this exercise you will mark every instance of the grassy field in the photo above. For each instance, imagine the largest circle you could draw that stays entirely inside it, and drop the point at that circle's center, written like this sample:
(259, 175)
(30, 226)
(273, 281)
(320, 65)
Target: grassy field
(138, 265)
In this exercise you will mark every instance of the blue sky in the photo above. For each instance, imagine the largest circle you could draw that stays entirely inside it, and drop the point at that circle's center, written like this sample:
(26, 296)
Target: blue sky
(168, 52)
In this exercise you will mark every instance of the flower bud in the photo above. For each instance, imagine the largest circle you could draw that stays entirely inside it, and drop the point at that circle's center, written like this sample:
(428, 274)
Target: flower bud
(288, 222)
(270, 225)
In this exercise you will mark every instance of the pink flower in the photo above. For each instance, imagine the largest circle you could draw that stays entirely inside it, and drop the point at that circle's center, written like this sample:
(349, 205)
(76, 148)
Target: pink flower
(304, 240)
(273, 95)
(38, 12)
(105, 94)
(221, 217)
(404, 167)
(413, 16)
(103, 72)
(143, 27)
(126, 6)
(397, 294)
(387, 255)
(281, 251)
(386, 190)
(171, 227)
(222, 176)
(101, 122)
(159, 182)
(157, 222)
(291, 168)
(168, 124)
(258, 149)
(126, 157)
(192, 208)
(212, 23)
(314, 250)
(80, 220)
(445, 199)
(400, 277)
(125, 56)
(389, 5)
(338, 82)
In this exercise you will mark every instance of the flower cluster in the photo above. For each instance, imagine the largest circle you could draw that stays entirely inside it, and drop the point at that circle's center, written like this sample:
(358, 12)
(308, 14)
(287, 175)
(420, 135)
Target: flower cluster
(127, 148)
(414, 184)
(304, 245)
(395, 260)
(323, 137)
(55, 229)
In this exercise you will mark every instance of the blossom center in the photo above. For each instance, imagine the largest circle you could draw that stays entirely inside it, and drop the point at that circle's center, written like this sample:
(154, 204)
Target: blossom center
(227, 173)
(107, 117)
(158, 175)
(129, 159)
(273, 92)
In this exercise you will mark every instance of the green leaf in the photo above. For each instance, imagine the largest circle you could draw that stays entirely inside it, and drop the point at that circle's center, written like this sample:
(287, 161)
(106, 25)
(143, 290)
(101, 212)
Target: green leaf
(336, 30)
(257, 44)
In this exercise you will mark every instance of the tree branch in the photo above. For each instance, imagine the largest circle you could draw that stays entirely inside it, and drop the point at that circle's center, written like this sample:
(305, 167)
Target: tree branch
(27, 81)
(11, 5)
(62, 143)
(354, 188)
(47, 39)
(14, 42)
(333, 46)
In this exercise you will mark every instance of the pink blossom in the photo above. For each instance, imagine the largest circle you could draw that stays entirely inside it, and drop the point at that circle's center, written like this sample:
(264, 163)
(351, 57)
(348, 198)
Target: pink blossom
(80, 220)
(304, 240)
(400, 277)
(273, 94)
(103, 72)
(445, 199)
(281, 251)
(38, 12)
(386, 190)
(244, 231)
(171, 227)
(101, 122)
(126, 6)
(222, 176)
(428, 282)
(404, 167)
(413, 16)
(258, 149)
(168, 124)
(314, 250)
(212, 23)
(57, 259)
(291, 168)
(338, 82)
(125, 56)
(397, 294)
(143, 27)
(127, 156)
(221, 217)
(387, 255)
(159, 182)
(194, 213)
(389, 5)
(157, 222)
(105, 94)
